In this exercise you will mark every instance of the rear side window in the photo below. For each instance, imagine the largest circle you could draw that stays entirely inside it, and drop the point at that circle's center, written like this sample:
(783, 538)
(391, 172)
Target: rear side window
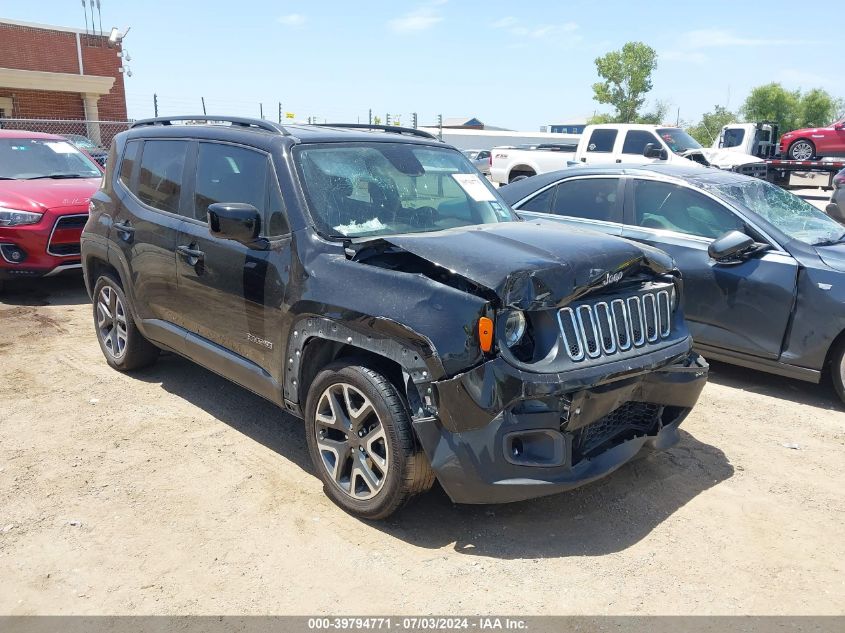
(636, 140)
(588, 198)
(160, 179)
(602, 141)
(541, 203)
(228, 173)
(127, 165)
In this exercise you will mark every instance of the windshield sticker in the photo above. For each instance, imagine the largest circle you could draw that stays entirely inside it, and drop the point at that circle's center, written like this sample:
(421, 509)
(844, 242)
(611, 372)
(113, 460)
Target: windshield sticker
(500, 210)
(474, 187)
(61, 147)
(364, 227)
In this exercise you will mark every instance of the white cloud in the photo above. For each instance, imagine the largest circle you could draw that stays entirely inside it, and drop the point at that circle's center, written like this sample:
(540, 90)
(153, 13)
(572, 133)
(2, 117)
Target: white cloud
(803, 79)
(504, 22)
(721, 38)
(292, 19)
(419, 19)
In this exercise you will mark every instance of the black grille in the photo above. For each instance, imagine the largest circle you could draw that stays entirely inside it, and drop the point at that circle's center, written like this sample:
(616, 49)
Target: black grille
(65, 249)
(623, 423)
(71, 222)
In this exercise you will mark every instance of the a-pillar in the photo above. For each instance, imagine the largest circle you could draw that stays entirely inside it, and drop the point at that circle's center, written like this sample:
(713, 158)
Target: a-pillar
(92, 116)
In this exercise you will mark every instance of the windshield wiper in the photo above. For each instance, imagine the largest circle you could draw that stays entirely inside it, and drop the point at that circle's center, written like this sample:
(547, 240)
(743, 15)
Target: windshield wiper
(838, 240)
(60, 176)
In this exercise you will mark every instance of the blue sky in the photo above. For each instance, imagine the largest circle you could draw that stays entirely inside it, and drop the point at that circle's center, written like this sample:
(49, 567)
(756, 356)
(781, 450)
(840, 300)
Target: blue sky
(513, 64)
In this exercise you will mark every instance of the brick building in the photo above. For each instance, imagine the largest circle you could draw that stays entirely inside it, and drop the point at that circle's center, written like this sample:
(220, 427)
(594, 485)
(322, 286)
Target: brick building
(50, 72)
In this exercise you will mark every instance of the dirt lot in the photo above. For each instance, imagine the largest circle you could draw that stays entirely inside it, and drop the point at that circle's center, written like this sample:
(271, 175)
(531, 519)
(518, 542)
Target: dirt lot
(174, 491)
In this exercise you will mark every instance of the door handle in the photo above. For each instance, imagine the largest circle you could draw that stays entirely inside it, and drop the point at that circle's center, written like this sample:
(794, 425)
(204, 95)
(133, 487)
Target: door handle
(192, 255)
(126, 229)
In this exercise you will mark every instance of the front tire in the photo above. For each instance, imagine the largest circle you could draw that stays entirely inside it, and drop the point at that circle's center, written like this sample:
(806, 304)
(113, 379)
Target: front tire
(361, 443)
(123, 345)
(802, 149)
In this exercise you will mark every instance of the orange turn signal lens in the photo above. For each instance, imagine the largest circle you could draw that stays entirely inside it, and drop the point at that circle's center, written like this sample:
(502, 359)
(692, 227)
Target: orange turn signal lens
(485, 334)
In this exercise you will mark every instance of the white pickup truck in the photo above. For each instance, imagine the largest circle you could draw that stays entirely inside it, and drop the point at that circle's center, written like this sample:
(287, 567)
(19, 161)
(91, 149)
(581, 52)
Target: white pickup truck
(626, 143)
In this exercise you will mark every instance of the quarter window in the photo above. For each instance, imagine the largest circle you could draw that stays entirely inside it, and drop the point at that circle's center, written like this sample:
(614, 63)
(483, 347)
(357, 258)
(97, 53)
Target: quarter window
(671, 207)
(127, 165)
(636, 140)
(588, 198)
(540, 203)
(160, 180)
(602, 141)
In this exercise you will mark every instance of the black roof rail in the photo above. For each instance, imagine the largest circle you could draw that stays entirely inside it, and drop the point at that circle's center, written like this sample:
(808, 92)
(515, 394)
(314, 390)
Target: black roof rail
(246, 122)
(395, 129)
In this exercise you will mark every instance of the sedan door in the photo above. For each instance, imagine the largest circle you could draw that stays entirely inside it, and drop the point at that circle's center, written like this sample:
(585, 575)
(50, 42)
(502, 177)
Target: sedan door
(741, 307)
(587, 202)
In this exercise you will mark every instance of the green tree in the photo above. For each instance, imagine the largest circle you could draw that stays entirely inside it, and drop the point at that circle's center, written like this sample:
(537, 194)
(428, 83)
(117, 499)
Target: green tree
(626, 79)
(707, 130)
(817, 108)
(772, 102)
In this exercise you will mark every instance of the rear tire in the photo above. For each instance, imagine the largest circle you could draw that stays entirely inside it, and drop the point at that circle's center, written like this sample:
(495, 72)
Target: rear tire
(802, 149)
(123, 345)
(361, 442)
(837, 370)
(519, 175)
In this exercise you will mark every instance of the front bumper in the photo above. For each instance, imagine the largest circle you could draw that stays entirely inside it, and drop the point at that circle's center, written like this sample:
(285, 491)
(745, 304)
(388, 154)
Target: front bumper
(502, 435)
(46, 248)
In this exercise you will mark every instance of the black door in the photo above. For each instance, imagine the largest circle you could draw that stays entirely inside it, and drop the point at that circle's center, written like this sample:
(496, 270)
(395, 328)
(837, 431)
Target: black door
(587, 202)
(232, 294)
(147, 223)
(742, 307)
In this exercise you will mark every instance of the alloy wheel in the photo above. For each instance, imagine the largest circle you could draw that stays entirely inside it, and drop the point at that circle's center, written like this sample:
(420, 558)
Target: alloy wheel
(351, 441)
(111, 322)
(802, 151)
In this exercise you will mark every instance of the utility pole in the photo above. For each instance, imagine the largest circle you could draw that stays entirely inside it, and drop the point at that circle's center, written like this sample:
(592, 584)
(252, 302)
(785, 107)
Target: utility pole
(280, 111)
(414, 120)
(387, 119)
(261, 109)
(371, 116)
(203, 105)
(155, 103)
(440, 126)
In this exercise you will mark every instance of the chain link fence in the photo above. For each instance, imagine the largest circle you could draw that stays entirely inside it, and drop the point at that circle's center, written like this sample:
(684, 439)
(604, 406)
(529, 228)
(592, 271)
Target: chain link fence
(94, 137)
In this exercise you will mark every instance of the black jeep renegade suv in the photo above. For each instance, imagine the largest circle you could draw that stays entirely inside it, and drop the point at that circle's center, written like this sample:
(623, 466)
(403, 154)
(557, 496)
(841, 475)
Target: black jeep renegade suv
(367, 279)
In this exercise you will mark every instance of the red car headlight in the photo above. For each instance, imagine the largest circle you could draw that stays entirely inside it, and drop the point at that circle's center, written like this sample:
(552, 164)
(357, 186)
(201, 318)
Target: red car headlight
(13, 217)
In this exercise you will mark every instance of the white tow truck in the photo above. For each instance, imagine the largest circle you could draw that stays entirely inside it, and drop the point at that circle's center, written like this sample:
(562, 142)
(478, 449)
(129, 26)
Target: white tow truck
(625, 143)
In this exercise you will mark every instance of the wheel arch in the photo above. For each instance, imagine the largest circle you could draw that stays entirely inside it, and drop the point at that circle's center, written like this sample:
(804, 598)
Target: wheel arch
(522, 169)
(409, 361)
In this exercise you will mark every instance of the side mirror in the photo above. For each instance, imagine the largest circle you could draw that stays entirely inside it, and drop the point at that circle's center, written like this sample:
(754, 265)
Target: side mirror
(234, 221)
(655, 151)
(839, 126)
(834, 211)
(730, 246)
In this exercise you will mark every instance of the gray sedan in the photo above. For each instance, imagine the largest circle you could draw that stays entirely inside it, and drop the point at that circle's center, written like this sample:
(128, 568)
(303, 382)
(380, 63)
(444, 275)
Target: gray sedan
(764, 271)
(480, 159)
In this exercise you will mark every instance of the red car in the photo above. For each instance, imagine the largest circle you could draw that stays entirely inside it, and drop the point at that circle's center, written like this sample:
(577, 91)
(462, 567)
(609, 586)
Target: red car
(45, 187)
(815, 142)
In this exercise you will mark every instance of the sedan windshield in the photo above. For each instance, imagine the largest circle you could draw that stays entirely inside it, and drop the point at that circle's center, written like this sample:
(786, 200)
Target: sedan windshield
(678, 140)
(29, 158)
(367, 189)
(793, 216)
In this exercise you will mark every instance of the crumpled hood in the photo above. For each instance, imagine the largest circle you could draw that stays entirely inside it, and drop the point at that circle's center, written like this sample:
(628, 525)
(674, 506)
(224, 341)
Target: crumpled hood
(726, 159)
(40, 195)
(531, 265)
(833, 256)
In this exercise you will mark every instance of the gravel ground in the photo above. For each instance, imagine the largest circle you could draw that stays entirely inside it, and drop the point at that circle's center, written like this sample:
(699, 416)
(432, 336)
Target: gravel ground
(172, 491)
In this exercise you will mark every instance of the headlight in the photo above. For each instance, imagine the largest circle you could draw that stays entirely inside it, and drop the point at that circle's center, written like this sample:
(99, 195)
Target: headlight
(514, 328)
(12, 217)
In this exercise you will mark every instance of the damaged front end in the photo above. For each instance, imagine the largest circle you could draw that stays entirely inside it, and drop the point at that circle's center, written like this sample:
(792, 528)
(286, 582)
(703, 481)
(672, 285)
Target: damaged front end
(602, 369)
